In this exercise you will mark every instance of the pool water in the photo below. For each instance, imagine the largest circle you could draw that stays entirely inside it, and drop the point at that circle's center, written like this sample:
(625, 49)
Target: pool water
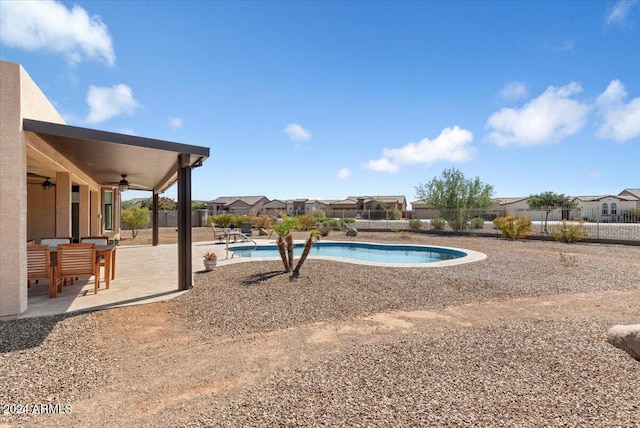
(376, 253)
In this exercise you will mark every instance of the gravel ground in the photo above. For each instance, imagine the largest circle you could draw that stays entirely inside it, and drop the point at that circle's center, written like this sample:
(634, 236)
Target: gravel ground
(524, 374)
(547, 370)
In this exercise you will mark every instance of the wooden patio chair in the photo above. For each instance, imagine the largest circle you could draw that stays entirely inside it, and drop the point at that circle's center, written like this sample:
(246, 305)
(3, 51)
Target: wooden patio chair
(98, 240)
(39, 267)
(76, 260)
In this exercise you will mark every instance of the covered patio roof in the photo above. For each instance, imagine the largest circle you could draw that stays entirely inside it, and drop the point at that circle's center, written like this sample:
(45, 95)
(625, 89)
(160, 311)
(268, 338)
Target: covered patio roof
(105, 156)
(148, 164)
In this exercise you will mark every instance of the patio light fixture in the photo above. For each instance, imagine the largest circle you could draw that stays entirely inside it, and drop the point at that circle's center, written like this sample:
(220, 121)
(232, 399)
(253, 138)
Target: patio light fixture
(47, 185)
(123, 184)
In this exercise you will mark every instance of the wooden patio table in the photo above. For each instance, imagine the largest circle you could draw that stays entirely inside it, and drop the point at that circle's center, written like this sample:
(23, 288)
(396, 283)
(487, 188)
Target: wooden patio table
(109, 254)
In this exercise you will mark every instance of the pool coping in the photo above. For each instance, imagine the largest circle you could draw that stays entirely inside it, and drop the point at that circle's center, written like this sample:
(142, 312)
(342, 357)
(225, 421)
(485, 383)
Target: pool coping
(471, 255)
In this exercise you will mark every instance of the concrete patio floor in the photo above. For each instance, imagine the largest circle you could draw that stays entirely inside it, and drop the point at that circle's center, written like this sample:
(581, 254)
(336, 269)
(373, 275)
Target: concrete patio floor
(144, 274)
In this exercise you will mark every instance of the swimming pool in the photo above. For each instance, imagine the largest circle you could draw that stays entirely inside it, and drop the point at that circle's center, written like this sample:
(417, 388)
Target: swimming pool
(368, 253)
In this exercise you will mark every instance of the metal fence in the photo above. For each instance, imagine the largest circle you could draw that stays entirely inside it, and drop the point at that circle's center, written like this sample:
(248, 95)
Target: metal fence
(624, 226)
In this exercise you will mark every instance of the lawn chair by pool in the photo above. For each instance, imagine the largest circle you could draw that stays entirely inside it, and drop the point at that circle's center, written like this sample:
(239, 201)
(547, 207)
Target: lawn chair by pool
(221, 236)
(246, 228)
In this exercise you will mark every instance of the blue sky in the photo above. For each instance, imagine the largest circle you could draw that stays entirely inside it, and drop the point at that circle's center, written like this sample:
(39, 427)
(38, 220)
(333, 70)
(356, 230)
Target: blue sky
(331, 99)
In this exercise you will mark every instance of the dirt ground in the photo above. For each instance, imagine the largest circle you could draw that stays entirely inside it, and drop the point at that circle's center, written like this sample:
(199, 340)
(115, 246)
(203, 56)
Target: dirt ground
(163, 372)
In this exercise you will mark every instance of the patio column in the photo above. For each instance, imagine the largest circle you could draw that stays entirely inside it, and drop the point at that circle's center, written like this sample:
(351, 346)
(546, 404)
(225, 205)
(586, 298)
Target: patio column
(155, 239)
(63, 204)
(85, 212)
(184, 223)
(13, 204)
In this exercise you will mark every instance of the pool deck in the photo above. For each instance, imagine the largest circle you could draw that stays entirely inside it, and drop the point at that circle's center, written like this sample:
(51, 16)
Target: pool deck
(147, 274)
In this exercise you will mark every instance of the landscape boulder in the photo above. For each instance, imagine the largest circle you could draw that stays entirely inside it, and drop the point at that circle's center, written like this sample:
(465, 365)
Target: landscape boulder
(627, 338)
(352, 231)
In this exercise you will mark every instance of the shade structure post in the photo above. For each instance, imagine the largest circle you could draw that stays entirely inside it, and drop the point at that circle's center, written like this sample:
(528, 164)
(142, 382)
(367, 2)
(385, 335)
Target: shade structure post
(155, 240)
(184, 223)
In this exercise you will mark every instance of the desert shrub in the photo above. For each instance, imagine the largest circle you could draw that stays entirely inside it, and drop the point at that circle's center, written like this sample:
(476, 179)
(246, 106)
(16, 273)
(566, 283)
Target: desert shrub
(513, 227)
(226, 220)
(324, 229)
(239, 219)
(306, 222)
(394, 214)
(222, 220)
(567, 232)
(568, 260)
(263, 221)
(334, 224)
(415, 223)
(319, 214)
(477, 223)
(438, 223)
(349, 220)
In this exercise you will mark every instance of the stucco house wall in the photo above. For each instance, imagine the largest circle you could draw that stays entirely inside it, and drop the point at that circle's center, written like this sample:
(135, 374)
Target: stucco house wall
(27, 212)
(20, 98)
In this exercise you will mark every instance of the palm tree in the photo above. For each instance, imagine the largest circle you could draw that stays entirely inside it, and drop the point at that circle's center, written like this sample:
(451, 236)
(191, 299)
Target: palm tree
(307, 248)
(285, 240)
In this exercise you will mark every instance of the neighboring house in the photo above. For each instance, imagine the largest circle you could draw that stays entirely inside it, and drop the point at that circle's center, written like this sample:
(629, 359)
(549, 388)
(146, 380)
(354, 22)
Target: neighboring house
(354, 206)
(605, 208)
(52, 186)
(422, 210)
(634, 193)
(302, 206)
(240, 205)
(344, 208)
(274, 207)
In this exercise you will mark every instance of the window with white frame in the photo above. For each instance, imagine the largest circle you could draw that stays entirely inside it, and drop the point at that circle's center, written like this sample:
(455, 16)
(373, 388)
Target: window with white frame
(605, 209)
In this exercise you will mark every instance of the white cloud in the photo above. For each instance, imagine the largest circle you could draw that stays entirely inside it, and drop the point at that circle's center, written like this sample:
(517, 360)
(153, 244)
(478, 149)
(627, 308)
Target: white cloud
(381, 165)
(175, 122)
(620, 12)
(513, 91)
(343, 173)
(451, 145)
(620, 121)
(105, 103)
(297, 132)
(49, 26)
(550, 117)
(594, 174)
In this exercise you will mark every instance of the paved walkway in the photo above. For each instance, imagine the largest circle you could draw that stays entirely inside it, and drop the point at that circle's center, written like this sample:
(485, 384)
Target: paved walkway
(144, 274)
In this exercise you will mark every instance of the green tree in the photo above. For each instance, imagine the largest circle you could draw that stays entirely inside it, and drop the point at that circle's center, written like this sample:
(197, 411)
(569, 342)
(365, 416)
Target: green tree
(378, 209)
(456, 197)
(164, 204)
(198, 206)
(136, 218)
(549, 201)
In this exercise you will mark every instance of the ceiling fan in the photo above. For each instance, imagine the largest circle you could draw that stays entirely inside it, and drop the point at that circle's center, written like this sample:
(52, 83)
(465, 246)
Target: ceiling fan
(46, 184)
(124, 184)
